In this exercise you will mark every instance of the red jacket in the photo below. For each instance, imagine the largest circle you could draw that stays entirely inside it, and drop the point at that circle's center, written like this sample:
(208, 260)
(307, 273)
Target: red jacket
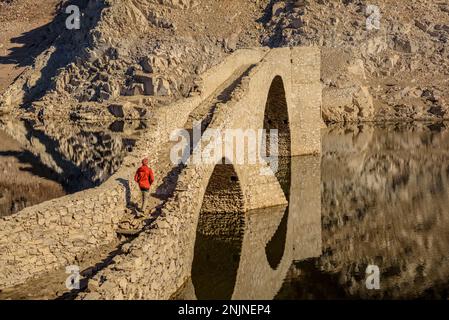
(144, 177)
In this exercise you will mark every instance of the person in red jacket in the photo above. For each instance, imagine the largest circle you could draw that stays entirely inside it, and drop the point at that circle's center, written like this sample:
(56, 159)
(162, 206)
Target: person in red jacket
(145, 178)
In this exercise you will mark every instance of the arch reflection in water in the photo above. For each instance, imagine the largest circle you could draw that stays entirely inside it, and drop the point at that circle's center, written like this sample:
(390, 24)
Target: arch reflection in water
(231, 247)
(276, 117)
(219, 236)
(275, 247)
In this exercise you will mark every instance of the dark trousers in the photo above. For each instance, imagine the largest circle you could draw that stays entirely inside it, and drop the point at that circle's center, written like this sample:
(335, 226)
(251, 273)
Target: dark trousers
(145, 194)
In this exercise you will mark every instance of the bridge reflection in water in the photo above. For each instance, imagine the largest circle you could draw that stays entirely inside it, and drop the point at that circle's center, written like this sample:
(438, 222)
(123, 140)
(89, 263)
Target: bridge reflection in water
(62, 157)
(384, 193)
(249, 254)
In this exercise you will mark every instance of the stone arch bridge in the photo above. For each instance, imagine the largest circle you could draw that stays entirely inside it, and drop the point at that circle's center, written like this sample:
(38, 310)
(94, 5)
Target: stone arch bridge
(251, 89)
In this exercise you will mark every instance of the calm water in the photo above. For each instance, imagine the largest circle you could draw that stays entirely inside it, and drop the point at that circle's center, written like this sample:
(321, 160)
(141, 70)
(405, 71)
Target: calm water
(42, 161)
(378, 195)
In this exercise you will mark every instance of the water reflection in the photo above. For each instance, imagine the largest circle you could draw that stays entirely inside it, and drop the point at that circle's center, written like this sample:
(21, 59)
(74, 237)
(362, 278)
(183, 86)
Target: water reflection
(275, 248)
(55, 158)
(219, 236)
(217, 255)
(378, 195)
(385, 196)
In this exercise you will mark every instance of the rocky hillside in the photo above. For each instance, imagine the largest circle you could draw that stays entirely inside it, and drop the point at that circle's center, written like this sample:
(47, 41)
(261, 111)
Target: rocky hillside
(139, 52)
(17, 19)
(146, 53)
(399, 71)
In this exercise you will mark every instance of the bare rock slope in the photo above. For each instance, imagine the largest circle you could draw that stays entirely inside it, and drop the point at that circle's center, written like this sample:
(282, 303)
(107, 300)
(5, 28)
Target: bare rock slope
(130, 56)
(398, 71)
(132, 53)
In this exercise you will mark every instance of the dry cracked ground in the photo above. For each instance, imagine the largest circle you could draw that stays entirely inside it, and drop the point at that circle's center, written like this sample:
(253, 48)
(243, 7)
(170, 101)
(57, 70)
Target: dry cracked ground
(147, 53)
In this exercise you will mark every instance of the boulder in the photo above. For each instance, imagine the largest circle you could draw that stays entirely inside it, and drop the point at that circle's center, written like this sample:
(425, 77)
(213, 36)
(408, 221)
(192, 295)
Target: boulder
(278, 7)
(124, 110)
(230, 43)
(154, 64)
(347, 104)
(404, 45)
(163, 88)
(147, 80)
(137, 89)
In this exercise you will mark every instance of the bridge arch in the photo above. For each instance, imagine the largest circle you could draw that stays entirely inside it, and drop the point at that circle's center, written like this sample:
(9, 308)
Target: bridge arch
(219, 235)
(276, 117)
(257, 277)
(223, 192)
